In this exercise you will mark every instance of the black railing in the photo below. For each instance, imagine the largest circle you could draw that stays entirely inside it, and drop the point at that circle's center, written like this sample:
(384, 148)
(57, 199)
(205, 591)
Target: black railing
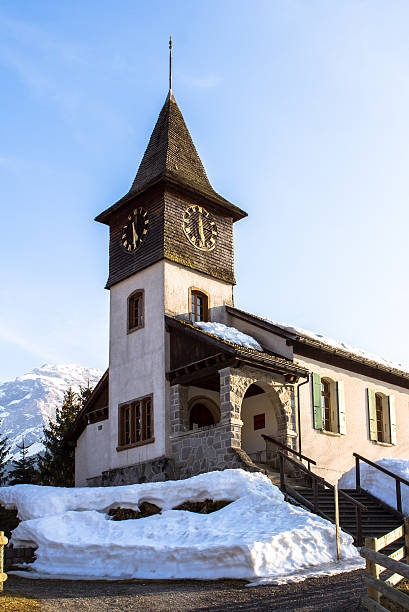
(290, 450)
(316, 482)
(398, 479)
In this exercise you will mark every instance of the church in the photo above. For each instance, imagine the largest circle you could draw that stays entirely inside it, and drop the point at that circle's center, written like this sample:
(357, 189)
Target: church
(195, 383)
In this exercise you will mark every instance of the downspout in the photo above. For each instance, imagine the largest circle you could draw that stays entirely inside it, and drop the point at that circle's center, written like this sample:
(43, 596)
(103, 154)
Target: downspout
(299, 411)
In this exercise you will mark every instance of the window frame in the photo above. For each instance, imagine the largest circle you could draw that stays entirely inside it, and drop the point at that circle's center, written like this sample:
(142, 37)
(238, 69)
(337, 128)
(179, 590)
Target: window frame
(130, 408)
(210, 404)
(332, 424)
(383, 435)
(140, 293)
(195, 291)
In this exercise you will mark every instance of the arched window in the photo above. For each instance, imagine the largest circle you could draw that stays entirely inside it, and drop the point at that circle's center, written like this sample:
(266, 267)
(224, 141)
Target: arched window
(199, 306)
(136, 310)
(203, 413)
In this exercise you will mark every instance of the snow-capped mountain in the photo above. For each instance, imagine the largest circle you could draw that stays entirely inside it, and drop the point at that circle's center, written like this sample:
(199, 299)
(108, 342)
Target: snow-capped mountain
(29, 402)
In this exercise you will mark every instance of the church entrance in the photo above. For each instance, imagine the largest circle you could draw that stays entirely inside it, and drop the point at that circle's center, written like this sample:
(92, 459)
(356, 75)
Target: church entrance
(259, 416)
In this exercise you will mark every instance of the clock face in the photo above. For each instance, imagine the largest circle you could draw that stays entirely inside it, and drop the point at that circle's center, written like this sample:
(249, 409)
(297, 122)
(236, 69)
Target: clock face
(135, 230)
(200, 228)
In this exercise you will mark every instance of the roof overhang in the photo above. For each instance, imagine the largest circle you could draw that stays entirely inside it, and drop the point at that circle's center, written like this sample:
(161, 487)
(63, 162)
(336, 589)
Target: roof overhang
(235, 354)
(168, 179)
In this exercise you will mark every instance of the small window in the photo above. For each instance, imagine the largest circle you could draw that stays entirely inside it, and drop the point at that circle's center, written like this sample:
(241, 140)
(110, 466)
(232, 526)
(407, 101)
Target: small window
(203, 412)
(259, 421)
(136, 422)
(382, 418)
(328, 404)
(135, 311)
(199, 306)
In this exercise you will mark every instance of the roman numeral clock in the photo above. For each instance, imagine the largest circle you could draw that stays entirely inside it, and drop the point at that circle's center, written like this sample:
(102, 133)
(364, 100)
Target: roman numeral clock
(200, 228)
(135, 230)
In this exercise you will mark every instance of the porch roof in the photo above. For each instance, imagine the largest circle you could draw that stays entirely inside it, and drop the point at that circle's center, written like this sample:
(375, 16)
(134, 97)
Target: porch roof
(236, 352)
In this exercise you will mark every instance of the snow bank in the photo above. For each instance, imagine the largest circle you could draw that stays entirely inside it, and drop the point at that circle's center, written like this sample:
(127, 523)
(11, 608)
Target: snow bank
(258, 535)
(230, 334)
(381, 485)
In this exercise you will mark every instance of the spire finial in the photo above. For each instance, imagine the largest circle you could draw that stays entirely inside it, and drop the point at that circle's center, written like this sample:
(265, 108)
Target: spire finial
(170, 64)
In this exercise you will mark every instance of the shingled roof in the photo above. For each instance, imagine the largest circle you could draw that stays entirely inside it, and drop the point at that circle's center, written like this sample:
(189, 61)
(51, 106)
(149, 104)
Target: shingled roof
(171, 155)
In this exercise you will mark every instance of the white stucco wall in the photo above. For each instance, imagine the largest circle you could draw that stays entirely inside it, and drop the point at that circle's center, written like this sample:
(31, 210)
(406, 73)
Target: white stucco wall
(92, 454)
(137, 362)
(269, 341)
(251, 440)
(179, 279)
(334, 451)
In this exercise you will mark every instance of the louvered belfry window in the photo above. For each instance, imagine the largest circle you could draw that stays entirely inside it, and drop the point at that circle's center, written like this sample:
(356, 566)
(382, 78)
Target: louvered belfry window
(135, 310)
(136, 422)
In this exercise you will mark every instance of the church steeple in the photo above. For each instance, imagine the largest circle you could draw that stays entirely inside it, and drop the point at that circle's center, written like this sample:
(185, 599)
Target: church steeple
(171, 153)
(172, 157)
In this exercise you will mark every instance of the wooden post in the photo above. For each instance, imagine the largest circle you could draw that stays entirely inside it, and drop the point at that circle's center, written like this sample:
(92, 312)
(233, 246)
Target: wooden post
(407, 538)
(337, 522)
(357, 475)
(282, 478)
(315, 494)
(398, 497)
(3, 543)
(372, 568)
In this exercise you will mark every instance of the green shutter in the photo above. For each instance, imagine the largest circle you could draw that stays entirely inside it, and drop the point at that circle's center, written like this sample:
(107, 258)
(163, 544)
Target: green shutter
(342, 426)
(373, 432)
(392, 419)
(316, 400)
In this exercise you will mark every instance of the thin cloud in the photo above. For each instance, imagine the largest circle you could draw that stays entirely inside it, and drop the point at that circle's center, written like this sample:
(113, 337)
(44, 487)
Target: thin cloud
(208, 81)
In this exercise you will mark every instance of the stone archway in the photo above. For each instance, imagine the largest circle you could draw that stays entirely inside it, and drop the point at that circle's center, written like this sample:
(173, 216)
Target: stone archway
(234, 383)
(260, 413)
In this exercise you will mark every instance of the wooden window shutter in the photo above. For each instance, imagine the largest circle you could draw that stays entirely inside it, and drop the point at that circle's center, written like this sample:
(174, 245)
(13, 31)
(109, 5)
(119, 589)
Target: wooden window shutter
(316, 400)
(373, 432)
(392, 419)
(342, 425)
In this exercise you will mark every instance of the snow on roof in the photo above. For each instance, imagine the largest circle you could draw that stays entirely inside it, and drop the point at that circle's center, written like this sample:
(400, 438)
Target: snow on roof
(229, 334)
(257, 535)
(342, 346)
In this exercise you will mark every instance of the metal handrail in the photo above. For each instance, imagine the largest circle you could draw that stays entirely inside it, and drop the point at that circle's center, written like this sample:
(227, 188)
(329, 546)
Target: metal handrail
(398, 479)
(290, 450)
(316, 481)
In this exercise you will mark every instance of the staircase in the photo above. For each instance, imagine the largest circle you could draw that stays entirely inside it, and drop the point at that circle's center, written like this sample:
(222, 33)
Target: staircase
(361, 514)
(376, 522)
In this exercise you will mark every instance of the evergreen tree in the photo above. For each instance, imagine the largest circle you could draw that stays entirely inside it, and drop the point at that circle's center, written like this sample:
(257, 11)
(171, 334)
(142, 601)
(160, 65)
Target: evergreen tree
(24, 470)
(4, 451)
(57, 463)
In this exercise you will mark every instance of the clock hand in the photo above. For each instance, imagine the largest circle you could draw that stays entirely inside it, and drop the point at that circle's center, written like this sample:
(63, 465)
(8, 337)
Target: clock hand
(201, 232)
(135, 235)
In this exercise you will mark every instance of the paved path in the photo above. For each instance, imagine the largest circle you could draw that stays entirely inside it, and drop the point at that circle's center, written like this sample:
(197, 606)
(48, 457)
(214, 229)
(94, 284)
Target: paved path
(341, 592)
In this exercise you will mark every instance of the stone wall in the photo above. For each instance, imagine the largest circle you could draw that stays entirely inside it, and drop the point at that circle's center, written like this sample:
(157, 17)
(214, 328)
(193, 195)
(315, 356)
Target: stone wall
(216, 447)
(156, 470)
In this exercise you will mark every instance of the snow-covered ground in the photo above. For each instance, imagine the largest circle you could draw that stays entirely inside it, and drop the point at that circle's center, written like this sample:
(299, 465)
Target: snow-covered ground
(381, 485)
(257, 536)
(230, 334)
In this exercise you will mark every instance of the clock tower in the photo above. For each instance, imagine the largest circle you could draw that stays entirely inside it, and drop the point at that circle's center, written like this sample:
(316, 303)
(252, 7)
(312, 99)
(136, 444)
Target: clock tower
(170, 253)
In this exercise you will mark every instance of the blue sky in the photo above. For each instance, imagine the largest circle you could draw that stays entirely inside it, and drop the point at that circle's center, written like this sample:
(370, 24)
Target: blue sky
(299, 111)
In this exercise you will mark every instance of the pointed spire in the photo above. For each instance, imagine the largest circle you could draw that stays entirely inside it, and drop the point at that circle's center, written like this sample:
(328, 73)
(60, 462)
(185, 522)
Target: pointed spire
(170, 65)
(171, 152)
(171, 156)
